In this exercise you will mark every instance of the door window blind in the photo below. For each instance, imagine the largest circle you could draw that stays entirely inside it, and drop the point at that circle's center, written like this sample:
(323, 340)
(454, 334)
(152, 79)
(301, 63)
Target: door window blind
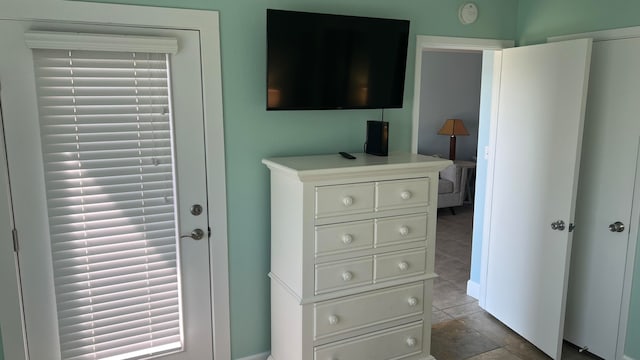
(106, 133)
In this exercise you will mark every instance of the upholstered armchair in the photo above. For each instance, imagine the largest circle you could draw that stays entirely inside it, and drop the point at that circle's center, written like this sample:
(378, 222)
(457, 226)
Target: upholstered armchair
(452, 186)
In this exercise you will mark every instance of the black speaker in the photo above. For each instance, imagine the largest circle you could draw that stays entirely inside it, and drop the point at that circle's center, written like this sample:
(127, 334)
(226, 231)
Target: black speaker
(377, 138)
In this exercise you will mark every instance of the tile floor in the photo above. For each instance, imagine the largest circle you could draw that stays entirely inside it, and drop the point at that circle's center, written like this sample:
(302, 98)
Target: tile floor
(461, 329)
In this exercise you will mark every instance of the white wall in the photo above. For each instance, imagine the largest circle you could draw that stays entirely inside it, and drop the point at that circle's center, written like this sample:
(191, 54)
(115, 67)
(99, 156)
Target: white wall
(450, 88)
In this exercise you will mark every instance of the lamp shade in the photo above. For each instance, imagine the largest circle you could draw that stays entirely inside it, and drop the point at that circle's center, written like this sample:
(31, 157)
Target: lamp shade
(453, 127)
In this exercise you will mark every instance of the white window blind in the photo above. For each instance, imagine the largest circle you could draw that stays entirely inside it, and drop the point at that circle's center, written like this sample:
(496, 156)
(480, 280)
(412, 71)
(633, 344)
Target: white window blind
(107, 147)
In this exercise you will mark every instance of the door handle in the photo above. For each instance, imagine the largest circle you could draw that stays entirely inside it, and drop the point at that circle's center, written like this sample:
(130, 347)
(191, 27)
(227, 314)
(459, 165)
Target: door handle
(196, 234)
(557, 225)
(616, 227)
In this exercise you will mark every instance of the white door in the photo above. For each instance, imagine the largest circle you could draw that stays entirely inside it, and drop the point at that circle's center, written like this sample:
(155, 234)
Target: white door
(174, 291)
(537, 148)
(605, 194)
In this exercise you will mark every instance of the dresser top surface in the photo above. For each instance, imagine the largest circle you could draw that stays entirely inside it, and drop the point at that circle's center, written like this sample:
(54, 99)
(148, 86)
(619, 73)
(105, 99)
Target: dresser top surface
(321, 164)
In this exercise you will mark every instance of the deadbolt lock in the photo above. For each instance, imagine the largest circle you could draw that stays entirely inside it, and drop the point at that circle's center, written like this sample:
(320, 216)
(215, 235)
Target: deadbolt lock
(196, 209)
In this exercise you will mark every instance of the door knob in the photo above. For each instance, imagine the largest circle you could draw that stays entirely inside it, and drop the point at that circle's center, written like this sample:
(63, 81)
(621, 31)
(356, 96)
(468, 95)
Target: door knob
(557, 225)
(196, 234)
(616, 227)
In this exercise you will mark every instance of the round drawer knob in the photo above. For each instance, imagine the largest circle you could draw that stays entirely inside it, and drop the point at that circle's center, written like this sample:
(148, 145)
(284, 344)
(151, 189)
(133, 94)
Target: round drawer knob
(347, 275)
(403, 266)
(333, 320)
(405, 195)
(347, 239)
(412, 301)
(347, 201)
(411, 342)
(404, 230)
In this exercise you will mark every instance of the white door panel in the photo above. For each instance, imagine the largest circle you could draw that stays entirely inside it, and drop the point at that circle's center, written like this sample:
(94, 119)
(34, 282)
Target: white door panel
(25, 164)
(539, 134)
(607, 175)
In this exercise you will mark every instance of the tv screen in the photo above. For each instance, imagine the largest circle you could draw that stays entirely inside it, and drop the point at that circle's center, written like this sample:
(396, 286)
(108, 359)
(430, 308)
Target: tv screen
(323, 61)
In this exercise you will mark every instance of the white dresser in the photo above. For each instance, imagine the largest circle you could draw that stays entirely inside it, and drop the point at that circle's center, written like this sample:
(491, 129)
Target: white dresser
(352, 251)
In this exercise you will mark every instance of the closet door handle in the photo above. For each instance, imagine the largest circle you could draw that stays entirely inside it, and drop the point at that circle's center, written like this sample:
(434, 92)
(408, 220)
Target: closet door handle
(616, 227)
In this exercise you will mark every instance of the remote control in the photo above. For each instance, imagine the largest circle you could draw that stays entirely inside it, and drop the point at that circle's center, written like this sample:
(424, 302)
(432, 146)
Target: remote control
(346, 155)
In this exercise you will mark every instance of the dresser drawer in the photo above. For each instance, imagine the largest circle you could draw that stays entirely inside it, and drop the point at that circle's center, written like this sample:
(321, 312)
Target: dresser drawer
(354, 312)
(399, 264)
(396, 343)
(402, 193)
(344, 274)
(344, 199)
(332, 239)
(401, 229)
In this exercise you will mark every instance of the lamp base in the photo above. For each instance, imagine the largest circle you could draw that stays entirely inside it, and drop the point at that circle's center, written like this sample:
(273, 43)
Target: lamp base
(452, 147)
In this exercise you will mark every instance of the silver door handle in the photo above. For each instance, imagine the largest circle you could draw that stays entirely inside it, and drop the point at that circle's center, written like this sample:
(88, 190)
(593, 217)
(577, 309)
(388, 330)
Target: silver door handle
(616, 227)
(557, 225)
(196, 234)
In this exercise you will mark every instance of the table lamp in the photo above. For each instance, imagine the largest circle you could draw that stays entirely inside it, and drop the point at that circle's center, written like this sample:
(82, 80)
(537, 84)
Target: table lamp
(453, 127)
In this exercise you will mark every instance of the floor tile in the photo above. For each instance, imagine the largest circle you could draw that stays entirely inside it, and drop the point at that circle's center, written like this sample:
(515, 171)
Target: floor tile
(526, 351)
(497, 354)
(463, 310)
(490, 327)
(448, 295)
(438, 316)
(452, 340)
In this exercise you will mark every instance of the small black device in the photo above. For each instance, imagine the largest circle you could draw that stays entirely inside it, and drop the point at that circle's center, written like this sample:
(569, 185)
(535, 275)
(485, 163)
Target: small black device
(346, 155)
(377, 138)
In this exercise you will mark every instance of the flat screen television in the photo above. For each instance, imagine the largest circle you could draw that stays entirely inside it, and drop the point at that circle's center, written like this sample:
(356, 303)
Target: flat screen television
(323, 61)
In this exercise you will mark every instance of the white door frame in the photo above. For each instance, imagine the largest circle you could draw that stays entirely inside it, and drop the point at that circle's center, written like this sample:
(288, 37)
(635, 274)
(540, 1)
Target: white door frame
(443, 43)
(604, 35)
(207, 24)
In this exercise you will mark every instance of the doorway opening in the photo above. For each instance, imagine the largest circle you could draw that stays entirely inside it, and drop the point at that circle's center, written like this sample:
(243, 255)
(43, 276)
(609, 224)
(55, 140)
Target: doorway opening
(450, 89)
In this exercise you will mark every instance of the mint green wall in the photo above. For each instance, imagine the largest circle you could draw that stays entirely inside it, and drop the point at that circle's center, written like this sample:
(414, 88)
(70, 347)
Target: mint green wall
(539, 19)
(1, 349)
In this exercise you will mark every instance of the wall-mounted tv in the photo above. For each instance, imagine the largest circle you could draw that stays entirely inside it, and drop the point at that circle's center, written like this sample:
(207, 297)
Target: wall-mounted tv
(323, 61)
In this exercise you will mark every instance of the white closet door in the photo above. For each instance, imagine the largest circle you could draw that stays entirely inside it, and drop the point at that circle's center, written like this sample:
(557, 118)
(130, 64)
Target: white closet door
(537, 150)
(607, 177)
(103, 197)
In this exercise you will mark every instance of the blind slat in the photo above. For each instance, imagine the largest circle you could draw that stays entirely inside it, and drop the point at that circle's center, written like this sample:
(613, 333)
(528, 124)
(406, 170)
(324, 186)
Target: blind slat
(120, 233)
(134, 306)
(119, 300)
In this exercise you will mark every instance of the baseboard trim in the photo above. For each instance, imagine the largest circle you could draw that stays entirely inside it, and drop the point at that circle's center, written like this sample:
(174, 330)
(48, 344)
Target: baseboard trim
(627, 357)
(473, 289)
(262, 356)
